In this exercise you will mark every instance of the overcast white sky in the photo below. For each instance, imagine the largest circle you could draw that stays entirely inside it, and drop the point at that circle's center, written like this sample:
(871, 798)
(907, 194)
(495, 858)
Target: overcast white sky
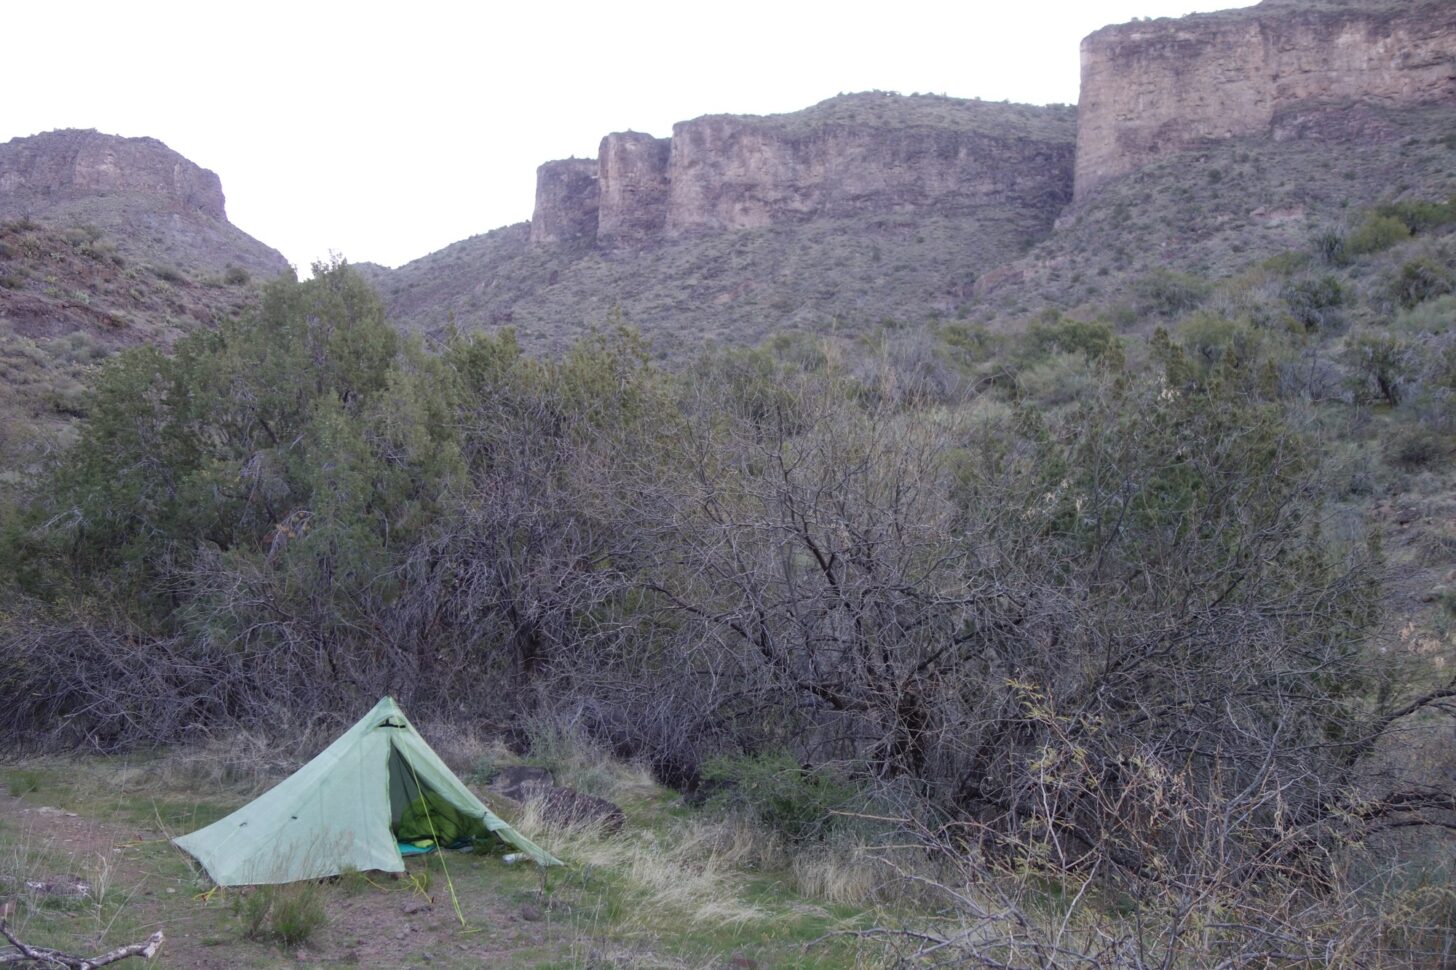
(385, 132)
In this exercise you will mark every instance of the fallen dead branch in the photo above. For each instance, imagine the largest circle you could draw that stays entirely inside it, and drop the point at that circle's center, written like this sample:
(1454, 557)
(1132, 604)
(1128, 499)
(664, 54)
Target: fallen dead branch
(45, 956)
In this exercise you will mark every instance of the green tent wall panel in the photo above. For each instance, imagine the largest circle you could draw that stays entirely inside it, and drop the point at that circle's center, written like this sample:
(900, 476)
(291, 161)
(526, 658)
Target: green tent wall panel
(338, 811)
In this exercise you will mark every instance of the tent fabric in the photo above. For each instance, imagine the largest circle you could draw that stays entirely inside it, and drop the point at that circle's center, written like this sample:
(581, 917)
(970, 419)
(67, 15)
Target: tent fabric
(339, 811)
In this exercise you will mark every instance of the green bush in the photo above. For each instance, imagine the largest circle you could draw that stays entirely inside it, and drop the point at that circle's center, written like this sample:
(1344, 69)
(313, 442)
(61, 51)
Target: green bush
(289, 914)
(1419, 216)
(1055, 334)
(1164, 293)
(236, 276)
(1435, 316)
(1379, 366)
(1214, 341)
(1315, 302)
(1377, 232)
(1287, 263)
(797, 802)
(1332, 249)
(1059, 379)
(1417, 447)
(1421, 279)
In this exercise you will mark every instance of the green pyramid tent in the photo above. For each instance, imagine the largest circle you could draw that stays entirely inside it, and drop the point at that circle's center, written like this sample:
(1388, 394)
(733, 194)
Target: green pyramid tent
(340, 810)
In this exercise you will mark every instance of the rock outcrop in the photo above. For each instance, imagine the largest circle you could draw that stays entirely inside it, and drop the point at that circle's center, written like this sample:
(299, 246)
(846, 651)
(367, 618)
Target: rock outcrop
(73, 163)
(731, 173)
(633, 179)
(847, 157)
(1219, 128)
(1153, 88)
(566, 203)
(155, 205)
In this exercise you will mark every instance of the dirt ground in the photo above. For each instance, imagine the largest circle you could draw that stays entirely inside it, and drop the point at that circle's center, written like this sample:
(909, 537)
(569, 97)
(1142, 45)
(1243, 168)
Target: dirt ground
(146, 884)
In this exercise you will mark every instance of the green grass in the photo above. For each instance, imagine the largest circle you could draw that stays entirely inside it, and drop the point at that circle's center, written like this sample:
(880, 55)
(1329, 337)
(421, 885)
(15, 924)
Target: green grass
(666, 892)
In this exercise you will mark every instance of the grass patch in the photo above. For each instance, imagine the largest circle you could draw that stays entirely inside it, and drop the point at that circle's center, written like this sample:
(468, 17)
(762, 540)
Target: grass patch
(22, 782)
(289, 914)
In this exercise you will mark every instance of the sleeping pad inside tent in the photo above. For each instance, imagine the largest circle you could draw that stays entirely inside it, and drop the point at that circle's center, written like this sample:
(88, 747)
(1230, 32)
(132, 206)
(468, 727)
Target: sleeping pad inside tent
(379, 784)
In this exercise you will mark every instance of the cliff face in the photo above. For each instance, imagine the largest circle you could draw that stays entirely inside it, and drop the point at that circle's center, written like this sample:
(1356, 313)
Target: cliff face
(1154, 88)
(847, 157)
(566, 203)
(72, 163)
(727, 174)
(155, 205)
(633, 184)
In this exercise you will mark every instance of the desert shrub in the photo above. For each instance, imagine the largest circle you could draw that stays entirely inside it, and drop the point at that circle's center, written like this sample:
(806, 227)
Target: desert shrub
(1416, 447)
(1436, 317)
(1165, 293)
(798, 349)
(1286, 263)
(1058, 379)
(1055, 334)
(1420, 216)
(1315, 301)
(1214, 341)
(1331, 249)
(1379, 366)
(968, 349)
(236, 276)
(169, 274)
(1375, 233)
(80, 347)
(798, 802)
(1421, 279)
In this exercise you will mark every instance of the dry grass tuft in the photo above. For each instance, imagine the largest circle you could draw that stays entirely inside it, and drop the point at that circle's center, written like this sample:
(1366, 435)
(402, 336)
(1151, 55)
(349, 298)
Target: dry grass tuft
(241, 761)
(689, 870)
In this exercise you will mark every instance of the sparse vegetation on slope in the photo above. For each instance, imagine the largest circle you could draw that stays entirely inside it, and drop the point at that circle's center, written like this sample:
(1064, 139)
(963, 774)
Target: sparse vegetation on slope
(1056, 601)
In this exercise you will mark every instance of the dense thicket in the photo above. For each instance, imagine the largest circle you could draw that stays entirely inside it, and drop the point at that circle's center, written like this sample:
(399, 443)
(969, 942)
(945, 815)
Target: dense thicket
(1075, 595)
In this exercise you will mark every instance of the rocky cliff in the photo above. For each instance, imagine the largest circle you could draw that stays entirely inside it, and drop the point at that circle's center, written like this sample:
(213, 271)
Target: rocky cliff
(105, 243)
(155, 204)
(566, 203)
(633, 179)
(1153, 88)
(60, 165)
(1201, 144)
(850, 156)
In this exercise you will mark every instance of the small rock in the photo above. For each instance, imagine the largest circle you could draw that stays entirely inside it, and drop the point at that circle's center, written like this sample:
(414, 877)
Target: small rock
(416, 906)
(171, 892)
(531, 914)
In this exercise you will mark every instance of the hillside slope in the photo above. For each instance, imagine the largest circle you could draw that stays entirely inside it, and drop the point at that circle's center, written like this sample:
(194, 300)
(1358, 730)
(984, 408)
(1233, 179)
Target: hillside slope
(105, 243)
(860, 208)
